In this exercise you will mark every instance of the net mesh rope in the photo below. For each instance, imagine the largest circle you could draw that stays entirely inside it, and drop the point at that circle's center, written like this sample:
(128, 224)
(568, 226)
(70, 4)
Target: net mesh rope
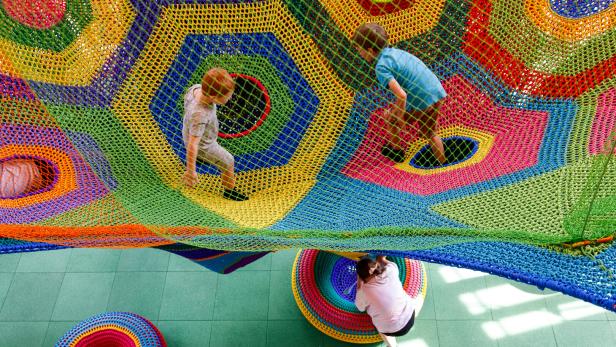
(92, 153)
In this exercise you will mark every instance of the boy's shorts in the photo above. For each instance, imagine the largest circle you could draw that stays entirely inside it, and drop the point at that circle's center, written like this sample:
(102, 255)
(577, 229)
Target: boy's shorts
(425, 116)
(423, 103)
(217, 155)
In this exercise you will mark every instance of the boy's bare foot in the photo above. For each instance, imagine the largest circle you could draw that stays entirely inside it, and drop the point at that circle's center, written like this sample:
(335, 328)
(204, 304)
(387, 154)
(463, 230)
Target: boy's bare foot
(396, 155)
(233, 194)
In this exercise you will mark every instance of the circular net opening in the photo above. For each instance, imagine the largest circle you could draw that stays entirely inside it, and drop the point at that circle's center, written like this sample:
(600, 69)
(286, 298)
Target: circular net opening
(457, 150)
(246, 110)
(344, 279)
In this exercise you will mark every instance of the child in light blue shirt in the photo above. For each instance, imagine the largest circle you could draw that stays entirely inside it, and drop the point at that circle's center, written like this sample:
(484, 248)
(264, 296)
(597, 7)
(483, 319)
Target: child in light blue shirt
(418, 91)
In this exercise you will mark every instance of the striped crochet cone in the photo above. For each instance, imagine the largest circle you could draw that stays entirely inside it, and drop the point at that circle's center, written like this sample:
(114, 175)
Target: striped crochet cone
(324, 289)
(121, 329)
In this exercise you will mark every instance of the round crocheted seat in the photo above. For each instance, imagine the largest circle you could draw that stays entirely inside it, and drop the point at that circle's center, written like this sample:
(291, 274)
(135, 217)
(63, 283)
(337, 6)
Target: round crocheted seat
(324, 289)
(118, 329)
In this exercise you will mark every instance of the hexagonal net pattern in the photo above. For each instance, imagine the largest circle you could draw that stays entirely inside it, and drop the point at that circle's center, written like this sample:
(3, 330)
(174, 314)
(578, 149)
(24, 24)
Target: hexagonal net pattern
(469, 132)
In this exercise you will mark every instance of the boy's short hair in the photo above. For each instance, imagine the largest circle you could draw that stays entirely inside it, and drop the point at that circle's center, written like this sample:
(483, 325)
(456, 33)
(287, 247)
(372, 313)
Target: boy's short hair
(371, 36)
(217, 82)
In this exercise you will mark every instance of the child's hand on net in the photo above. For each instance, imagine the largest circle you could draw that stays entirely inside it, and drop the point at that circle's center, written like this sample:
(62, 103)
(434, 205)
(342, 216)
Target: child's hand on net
(190, 178)
(387, 114)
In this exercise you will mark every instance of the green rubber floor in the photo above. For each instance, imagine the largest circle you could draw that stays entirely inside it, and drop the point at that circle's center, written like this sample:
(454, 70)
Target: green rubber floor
(44, 294)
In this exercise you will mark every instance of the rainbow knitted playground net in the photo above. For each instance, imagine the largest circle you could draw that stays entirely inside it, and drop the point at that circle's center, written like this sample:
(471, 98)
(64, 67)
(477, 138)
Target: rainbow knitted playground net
(92, 100)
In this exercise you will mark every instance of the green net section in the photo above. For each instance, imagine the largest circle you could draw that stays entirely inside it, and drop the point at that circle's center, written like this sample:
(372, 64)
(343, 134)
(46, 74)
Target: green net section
(441, 122)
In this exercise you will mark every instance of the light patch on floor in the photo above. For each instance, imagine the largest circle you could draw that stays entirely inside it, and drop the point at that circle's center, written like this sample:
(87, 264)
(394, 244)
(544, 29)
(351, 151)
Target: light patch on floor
(575, 310)
(538, 319)
(453, 274)
(473, 303)
(506, 295)
(520, 323)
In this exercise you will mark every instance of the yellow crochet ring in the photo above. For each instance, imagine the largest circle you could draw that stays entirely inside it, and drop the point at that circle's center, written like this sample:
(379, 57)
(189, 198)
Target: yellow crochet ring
(485, 141)
(569, 29)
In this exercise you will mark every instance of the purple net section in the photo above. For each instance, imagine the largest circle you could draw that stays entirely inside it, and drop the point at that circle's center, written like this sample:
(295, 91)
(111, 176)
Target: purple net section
(344, 279)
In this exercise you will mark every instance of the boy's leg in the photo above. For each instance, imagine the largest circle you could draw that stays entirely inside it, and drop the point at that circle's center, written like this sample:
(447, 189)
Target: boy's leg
(389, 340)
(228, 177)
(228, 182)
(220, 157)
(223, 160)
(392, 149)
(395, 125)
(438, 148)
(427, 130)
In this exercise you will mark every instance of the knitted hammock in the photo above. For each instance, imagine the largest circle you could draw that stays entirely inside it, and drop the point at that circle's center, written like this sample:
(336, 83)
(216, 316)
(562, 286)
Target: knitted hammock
(91, 119)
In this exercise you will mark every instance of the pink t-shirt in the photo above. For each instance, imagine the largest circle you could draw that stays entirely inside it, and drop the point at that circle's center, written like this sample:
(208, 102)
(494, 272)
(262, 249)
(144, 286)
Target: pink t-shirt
(385, 301)
(17, 177)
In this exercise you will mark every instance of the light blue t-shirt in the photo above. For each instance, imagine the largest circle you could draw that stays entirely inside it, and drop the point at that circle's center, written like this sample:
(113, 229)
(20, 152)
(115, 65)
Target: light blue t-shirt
(421, 85)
